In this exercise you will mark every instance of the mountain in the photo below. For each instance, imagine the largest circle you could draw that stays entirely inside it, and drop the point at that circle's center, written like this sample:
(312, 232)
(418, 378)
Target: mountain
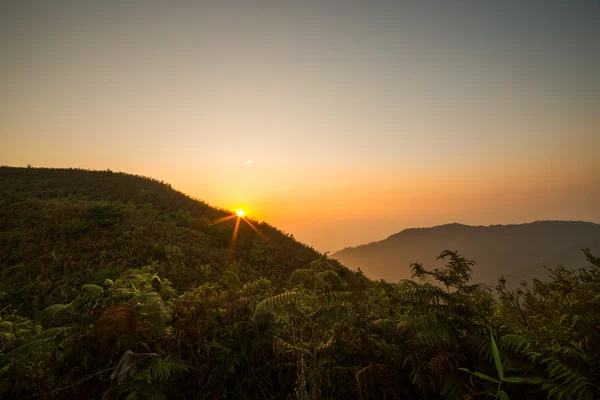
(517, 252)
(63, 226)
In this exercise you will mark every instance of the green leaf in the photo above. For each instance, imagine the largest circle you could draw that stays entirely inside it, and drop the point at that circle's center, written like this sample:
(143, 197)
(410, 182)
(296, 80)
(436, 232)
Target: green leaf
(480, 375)
(516, 379)
(502, 395)
(92, 289)
(301, 275)
(332, 298)
(273, 303)
(496, 356)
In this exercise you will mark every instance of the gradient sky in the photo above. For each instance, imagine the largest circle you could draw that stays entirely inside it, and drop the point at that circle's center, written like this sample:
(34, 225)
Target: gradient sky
(362, 118)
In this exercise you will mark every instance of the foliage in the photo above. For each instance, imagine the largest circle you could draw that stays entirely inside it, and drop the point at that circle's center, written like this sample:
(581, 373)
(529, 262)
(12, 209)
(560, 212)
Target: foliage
(96, 264)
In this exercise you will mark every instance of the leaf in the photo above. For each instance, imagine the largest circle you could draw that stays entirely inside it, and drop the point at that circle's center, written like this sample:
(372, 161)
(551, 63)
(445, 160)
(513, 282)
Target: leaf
(517, 379)
(162, 369)
(330, 275)
(332, 298)
(503, 396)
(51, 312)
(301, 275)
(496, 356)
(273, 303)
(480, 375)
(156, 277)
(92, 289)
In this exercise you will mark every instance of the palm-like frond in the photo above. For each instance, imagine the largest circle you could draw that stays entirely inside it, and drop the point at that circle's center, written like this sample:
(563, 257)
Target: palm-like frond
(52, 312)
(39, 343)
(162, 369)
(333, 298)
(273, 303)
(301, 275)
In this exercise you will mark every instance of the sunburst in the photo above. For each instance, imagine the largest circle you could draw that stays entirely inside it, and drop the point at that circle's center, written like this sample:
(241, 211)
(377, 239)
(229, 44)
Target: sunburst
(240, 214)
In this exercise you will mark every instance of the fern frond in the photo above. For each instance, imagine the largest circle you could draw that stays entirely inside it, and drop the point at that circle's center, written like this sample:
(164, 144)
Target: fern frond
(563, 382)
(332, 298)
(323, 262)
(326, 345)
(301, 275)
(51, 312)
(331, 315)
(37, 344)
(330, 276)
(273, 303)
(514, 343)
(281, 346)
(132, 396)
(162, 369)
(429, 330)
(384, 325)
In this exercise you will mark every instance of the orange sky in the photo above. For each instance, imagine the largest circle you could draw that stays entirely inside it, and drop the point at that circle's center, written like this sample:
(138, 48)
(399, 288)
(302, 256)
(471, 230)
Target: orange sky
(361, 119)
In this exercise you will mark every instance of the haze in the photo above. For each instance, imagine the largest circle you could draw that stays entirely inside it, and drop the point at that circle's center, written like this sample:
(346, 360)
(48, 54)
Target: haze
(360, 119)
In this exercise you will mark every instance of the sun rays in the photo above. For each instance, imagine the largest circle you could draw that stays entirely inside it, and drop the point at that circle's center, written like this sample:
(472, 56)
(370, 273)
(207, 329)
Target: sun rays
(240, 215)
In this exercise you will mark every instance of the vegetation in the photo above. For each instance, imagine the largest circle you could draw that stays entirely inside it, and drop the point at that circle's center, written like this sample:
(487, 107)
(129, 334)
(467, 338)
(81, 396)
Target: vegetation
(116, 286)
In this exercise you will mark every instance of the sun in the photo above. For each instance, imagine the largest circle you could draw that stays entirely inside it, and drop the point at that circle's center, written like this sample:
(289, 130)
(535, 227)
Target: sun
(240, 212)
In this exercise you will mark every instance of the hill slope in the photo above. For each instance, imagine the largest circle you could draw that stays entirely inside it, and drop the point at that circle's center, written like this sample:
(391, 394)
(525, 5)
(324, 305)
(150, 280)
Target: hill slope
(517, 252)
(97, 267)
(65, 226)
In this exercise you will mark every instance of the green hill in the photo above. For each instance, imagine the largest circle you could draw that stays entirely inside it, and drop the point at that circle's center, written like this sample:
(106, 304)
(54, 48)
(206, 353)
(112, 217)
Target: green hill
(114, 286)
(64, 226)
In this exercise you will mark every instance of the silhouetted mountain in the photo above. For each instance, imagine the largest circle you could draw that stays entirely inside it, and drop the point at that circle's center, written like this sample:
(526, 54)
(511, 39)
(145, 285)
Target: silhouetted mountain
(517, 252)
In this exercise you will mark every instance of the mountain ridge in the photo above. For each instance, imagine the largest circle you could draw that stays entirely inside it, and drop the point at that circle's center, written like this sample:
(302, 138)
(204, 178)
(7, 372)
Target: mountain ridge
(550, 242)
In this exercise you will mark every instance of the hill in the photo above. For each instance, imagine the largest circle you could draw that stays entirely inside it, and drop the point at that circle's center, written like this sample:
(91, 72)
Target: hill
(517, 252)
(116, 286)
(60, 226)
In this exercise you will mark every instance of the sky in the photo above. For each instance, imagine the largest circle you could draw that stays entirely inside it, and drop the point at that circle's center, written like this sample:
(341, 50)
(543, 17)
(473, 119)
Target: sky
(360, 118)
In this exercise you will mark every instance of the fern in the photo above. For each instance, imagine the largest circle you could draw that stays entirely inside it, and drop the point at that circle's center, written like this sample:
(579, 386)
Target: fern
(40, 342)
(331, 315)
(514, 343)
(329, 276)
(385, 325)
(332, 298)
(52, 312)
(431, 330)
(281, 346)
(162, 369)
(273, 303)
(301, 275)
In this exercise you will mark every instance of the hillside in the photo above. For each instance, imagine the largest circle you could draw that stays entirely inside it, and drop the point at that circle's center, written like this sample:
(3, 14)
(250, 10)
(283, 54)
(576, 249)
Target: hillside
(60, 226)
(115, 286)
(517, 252)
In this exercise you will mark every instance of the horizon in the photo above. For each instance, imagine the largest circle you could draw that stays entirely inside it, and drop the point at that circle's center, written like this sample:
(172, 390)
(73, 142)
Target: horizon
(242, 213)
(341, 123)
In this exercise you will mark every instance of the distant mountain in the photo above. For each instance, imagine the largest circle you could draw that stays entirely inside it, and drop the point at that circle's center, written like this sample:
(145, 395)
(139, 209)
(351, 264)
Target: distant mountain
(517, 252)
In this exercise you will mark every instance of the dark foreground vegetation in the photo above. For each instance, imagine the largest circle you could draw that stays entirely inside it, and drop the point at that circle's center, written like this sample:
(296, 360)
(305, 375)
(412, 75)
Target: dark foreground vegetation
(93, 264)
